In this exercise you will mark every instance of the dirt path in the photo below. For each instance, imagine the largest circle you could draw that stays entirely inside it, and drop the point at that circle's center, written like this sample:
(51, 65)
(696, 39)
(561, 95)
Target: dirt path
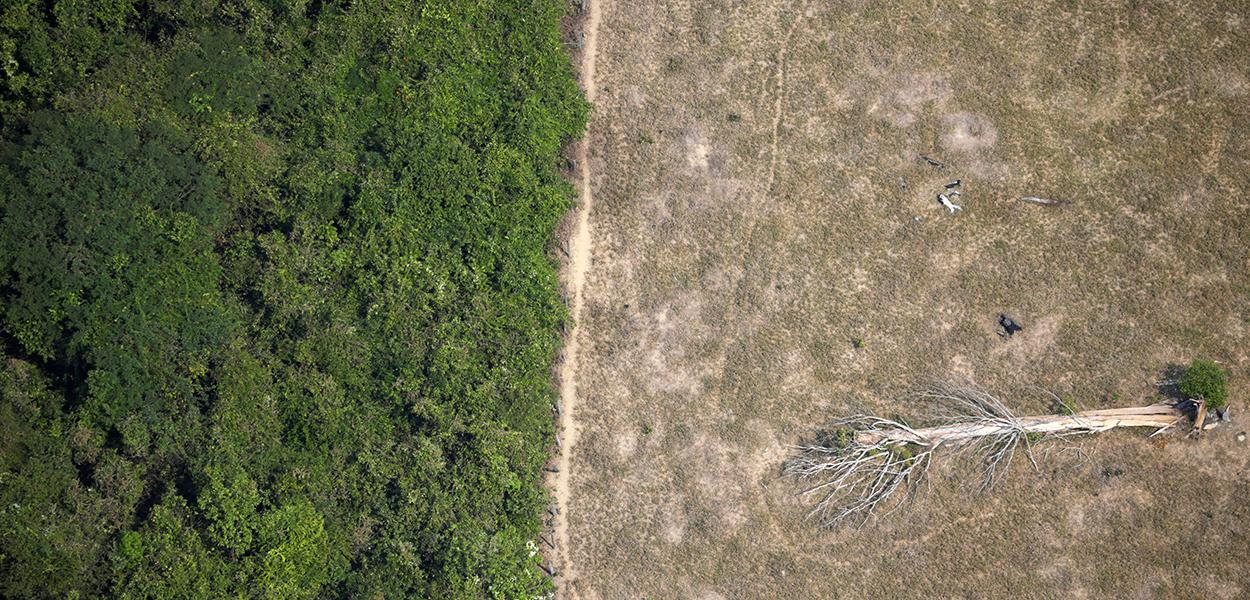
(579, 264)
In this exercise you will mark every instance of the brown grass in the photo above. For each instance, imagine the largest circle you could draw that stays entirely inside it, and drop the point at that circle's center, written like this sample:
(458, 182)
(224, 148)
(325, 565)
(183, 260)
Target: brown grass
(760, 203)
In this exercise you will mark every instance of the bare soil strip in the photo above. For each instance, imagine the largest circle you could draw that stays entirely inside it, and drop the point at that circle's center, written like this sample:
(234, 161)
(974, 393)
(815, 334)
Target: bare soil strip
(579, 264)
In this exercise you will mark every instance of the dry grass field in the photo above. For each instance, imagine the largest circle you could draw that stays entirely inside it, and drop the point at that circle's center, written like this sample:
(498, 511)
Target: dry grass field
(769, 255)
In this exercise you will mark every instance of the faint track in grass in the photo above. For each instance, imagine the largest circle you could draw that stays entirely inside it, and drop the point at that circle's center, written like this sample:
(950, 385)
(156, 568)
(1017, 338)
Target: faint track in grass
(779, 103)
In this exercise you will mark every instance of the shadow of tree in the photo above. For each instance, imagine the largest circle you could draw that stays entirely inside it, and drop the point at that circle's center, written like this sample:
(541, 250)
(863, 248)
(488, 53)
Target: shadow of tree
(1169, 384)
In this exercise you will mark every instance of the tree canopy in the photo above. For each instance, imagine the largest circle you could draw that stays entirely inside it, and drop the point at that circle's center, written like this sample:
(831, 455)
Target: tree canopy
(276, 295)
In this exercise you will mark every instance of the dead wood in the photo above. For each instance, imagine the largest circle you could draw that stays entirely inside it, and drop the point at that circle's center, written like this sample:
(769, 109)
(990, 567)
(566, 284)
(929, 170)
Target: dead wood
(1090, 421)
(864, 462)
(1044, 201)
(1200, 417)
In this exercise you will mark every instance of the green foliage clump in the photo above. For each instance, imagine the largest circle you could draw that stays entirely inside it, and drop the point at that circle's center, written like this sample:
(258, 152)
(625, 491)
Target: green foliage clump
(1066, 405)
(1207, 380)
(276, 302)
(293, 547)
(229, 501)
(839, 438)
(903, 451)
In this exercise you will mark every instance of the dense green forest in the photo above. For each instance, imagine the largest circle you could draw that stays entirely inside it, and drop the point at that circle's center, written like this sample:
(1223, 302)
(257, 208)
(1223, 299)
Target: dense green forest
(277, 304)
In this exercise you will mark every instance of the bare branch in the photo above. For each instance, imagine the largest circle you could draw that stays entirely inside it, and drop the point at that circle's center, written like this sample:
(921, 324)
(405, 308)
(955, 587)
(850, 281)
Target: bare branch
(1043, 201)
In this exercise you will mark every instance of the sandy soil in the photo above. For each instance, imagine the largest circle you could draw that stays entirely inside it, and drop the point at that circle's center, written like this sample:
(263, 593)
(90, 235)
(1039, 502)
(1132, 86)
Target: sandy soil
(576, 267)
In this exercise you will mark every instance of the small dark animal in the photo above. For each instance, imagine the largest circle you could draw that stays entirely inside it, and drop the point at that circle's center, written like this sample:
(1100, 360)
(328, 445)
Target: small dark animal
(1009, 326)
(932, 162)
(954, 184)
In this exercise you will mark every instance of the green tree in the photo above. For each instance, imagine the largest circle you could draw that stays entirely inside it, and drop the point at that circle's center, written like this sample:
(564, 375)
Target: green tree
(108, 236)
(167, 559)
(1207, 380)
(294, 546)
(277, 293)
(229, 502)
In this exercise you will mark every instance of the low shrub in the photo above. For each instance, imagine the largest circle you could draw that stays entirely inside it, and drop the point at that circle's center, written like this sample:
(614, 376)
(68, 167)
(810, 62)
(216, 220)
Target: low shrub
(1206, 380)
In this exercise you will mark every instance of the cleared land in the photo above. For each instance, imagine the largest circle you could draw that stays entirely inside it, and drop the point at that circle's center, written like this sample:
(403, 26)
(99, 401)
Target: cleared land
(760, 205)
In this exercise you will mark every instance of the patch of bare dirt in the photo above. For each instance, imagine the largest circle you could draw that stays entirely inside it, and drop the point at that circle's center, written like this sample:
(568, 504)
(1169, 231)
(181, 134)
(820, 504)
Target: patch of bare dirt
(575, 274)
(967, 132)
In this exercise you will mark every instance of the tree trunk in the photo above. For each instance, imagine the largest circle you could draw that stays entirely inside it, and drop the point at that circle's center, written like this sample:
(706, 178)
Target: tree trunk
(1090, 421)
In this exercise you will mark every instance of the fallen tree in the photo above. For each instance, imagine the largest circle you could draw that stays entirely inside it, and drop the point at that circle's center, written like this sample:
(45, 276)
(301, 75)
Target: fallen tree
(864, 463)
